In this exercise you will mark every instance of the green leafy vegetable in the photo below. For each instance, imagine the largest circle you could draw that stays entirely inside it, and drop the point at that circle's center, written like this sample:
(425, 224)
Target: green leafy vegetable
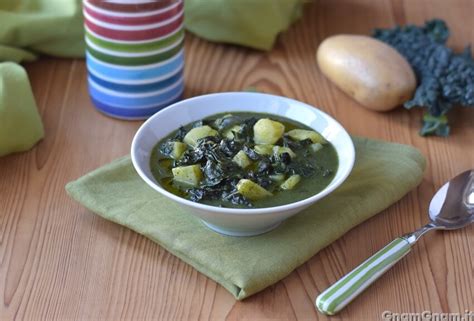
(444, 78)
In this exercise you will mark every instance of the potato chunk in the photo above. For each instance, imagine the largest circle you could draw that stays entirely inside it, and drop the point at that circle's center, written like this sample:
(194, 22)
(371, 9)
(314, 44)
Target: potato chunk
(267, 131)
(302, 134)
(252, 190)
(197, 133)
(190, 175)
(278, 178)
(264, 149)
(242, 159)
(178, 150)
(291, 182)
(315, 147)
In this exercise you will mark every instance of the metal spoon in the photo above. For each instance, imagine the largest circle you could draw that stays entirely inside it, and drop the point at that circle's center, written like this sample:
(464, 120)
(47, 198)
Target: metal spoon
(451, 208)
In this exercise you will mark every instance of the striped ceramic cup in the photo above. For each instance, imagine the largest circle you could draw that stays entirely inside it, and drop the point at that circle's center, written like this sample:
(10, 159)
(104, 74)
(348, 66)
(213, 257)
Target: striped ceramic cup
(134, 54)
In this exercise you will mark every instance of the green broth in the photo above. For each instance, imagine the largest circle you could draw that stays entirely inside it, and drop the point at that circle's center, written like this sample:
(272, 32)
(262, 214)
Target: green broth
(325, 160)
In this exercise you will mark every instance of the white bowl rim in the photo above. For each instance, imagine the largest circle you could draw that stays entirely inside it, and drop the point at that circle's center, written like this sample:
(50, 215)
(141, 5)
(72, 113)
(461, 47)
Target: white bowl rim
(244, 211)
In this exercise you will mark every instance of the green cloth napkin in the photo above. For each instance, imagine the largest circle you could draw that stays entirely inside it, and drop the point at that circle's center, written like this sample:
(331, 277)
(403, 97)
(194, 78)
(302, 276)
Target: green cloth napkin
(20, 122)
(383, 173)
(249, 23)
(51, 27)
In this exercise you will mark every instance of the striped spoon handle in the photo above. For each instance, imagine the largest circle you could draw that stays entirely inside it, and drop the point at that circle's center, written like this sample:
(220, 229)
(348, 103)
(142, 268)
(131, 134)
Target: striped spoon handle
(346, 289)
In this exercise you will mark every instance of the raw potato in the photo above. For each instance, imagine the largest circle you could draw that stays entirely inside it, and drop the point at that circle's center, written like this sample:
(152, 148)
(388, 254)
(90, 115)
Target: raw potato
(252, 190)
(267, 131)
(370, 71)
(195, 134)
(190, 175)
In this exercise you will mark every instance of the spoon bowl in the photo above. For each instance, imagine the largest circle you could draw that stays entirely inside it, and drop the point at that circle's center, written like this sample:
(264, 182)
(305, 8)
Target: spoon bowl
(452, 207)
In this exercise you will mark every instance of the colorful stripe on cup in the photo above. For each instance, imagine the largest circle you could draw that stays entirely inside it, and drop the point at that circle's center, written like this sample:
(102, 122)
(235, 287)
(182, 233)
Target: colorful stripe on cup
(142, 19)
(134, 46)
(134, 54)
(126, 105)
(139, 88)
(134, 58)
(139, 112)
(131, 7)
(136, 32)
(135, 75)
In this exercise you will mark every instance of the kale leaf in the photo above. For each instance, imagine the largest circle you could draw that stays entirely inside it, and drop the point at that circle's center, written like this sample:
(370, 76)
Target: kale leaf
(252, 154)
(213, 173)
(167, 148)
(295, 145)
(236, 199)
(229, 147)
(226, 121)
(180, 133)
(245, 134)
(444, 78)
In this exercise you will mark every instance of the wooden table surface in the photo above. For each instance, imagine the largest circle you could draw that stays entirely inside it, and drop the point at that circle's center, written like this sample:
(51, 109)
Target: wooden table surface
(58, 261)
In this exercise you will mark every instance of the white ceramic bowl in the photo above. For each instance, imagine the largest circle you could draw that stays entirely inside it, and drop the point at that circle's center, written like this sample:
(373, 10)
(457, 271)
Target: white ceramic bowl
(229, 221)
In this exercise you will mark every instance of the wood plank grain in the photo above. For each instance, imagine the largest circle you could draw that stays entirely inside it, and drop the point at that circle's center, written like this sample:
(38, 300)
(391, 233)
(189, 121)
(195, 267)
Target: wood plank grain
(59, 261)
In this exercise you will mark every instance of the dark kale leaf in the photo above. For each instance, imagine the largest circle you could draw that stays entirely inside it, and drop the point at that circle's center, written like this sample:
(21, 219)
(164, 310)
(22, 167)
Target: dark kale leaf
(213, 173)
(206, 192)
(201, 123)
(236, 199)
(191, 157)
(245, 134)
(253, 155)
(264, 166)
(296, 145)
(225, 191)
(281, 159)
(229, 147)
(264, 181)
(180, 133)
(226, 122)
(437, 125)
(196, 194)
(285, 158)
(167, 148)
(444, 77)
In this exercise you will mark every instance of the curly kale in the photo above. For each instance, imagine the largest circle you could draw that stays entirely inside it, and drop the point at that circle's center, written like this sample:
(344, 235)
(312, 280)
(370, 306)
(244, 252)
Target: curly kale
(444, 78)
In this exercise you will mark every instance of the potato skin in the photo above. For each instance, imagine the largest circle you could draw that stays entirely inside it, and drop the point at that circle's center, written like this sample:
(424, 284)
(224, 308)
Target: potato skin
(370, 71)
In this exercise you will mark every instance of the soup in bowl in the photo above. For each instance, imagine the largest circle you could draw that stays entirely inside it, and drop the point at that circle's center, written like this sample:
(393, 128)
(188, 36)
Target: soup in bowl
(242, 162)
